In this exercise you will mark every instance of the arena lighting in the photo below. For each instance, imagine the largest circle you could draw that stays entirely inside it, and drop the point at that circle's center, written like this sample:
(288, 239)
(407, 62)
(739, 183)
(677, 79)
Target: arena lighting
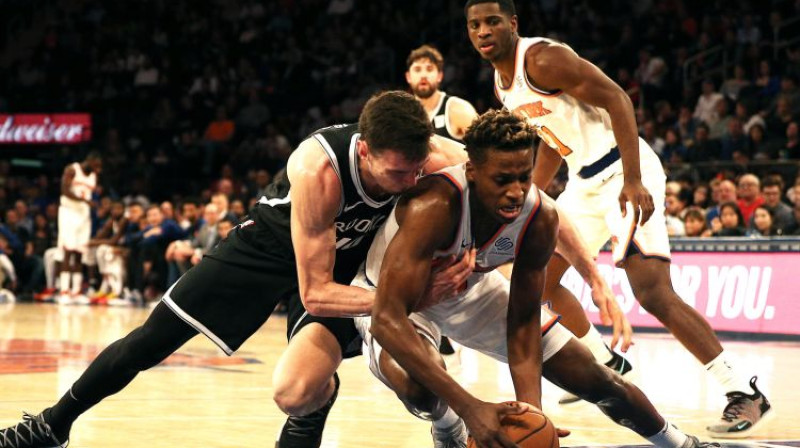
(33, 129)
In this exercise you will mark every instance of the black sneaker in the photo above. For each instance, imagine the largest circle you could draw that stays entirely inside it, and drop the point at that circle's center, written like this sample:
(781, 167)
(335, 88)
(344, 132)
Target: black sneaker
(306, 431)
(618, 364)
(743, 414)
(31, 432)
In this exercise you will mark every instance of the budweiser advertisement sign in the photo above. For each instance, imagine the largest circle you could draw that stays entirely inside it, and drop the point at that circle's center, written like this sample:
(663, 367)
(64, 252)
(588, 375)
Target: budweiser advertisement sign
(62, 129)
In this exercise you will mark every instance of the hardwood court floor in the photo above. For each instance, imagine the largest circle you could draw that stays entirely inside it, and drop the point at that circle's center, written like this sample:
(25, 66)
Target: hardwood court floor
(202, 398)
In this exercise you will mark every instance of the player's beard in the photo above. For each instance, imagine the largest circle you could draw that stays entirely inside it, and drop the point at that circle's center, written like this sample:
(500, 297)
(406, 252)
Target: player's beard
(425, 92)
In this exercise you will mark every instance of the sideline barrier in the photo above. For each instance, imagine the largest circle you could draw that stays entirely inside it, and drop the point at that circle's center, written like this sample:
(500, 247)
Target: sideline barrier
(737, 284)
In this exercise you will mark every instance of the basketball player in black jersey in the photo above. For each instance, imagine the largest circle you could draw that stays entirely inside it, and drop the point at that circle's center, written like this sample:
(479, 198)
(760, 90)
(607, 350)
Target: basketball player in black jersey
(303, 244)
(450, 115)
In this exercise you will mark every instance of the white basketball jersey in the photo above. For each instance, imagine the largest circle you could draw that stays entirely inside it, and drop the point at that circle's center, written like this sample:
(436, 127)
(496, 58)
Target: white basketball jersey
(500, 249)
(82, 186)
(581, 133)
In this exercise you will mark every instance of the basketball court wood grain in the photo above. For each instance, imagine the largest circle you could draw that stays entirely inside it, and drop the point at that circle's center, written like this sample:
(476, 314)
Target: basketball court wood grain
(200, 397)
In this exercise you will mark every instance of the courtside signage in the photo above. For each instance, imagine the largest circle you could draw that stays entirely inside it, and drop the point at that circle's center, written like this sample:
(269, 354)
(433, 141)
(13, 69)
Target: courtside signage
(42, 129)
(734, 291)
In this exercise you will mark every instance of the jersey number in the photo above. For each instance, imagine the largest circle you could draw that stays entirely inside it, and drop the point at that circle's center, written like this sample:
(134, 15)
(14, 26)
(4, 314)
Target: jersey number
(552, 141)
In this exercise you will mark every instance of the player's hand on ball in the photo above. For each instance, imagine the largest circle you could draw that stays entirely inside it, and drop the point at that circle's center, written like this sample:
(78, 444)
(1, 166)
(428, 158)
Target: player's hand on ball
(483, 422)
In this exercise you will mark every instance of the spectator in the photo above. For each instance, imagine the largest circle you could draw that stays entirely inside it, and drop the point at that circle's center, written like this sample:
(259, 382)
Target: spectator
(25, 218)
(649, 135)
(749, 194)
(730, 221)
(726, 192)
(732, 86)
(695, 223)
(686, 124)
(734, 141)
(674, 151)
(701, 199)
(782, 215)
(767, 81)
(794, 229)
(718, 126)
(790, 148)
(706, 108)
(702, 149)
(764, 225)
(675, 207)
(758, 146)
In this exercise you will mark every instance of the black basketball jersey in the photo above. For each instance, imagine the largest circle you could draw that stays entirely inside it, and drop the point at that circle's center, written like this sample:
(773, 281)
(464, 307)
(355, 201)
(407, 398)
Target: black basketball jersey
(359, 216)
(439, 119)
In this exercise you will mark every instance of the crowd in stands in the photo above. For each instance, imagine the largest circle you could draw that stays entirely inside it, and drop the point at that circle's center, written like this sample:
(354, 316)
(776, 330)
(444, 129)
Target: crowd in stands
(196, 104)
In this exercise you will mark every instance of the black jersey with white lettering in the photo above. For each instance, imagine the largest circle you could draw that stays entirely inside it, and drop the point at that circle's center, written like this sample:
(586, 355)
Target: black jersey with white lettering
(359, 216)
(439, 119)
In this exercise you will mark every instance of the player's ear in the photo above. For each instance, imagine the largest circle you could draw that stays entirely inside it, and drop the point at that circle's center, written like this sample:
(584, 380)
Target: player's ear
(408, 77)
(362, 148)
(514, 24)
(470, 171)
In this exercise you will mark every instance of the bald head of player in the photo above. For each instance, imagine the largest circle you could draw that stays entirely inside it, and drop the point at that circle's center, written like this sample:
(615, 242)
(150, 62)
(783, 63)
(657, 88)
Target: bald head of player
(500, 166)
(395, 141)
(492, 28)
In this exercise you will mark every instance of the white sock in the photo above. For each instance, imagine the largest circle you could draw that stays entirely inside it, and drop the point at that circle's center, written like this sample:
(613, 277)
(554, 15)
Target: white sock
(724, 370)
(594, 341)
(449, 419)
(77, 282)
(669, 437)
(64, 276)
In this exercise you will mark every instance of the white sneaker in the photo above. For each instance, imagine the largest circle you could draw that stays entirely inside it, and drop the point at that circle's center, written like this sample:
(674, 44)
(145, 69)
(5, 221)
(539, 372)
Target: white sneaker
(80, 299)
(64, 298)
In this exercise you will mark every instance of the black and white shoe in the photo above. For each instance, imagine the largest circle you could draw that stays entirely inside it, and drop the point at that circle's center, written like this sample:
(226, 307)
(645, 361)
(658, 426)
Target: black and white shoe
(31, 432)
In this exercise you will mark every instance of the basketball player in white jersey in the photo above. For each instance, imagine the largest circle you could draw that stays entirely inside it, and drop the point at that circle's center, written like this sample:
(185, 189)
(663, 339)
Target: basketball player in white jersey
(75, 224)
(585, 118)
(450, 115)
(491, 204)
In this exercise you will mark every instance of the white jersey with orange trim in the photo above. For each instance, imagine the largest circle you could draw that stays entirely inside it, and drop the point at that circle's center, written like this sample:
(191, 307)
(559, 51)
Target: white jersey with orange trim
(75, 217)
(82, 186)
(476, 317)
(581, 133)
(583, 136)
(499, 250)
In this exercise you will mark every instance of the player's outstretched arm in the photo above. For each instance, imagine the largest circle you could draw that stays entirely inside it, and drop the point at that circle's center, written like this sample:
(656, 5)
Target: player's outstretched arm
(558, 67)
(524, 305)
(572, 247)
(316, 195)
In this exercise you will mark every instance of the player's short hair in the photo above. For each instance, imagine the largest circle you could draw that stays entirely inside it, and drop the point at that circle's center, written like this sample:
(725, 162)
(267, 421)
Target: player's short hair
(499, 130)
(426, 52)
(395, 120)
(507, 6)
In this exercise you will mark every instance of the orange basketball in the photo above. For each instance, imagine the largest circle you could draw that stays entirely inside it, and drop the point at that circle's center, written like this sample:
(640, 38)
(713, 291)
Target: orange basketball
(528, 430)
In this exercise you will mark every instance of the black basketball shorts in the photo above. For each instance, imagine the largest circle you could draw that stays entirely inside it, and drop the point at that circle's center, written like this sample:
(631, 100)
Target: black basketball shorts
(234, 289)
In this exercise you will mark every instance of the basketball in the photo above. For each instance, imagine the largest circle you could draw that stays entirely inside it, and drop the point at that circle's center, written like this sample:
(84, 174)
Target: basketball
(528, 430)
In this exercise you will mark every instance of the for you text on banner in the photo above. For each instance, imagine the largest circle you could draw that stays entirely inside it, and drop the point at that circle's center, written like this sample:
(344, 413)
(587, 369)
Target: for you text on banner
(744, 292)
